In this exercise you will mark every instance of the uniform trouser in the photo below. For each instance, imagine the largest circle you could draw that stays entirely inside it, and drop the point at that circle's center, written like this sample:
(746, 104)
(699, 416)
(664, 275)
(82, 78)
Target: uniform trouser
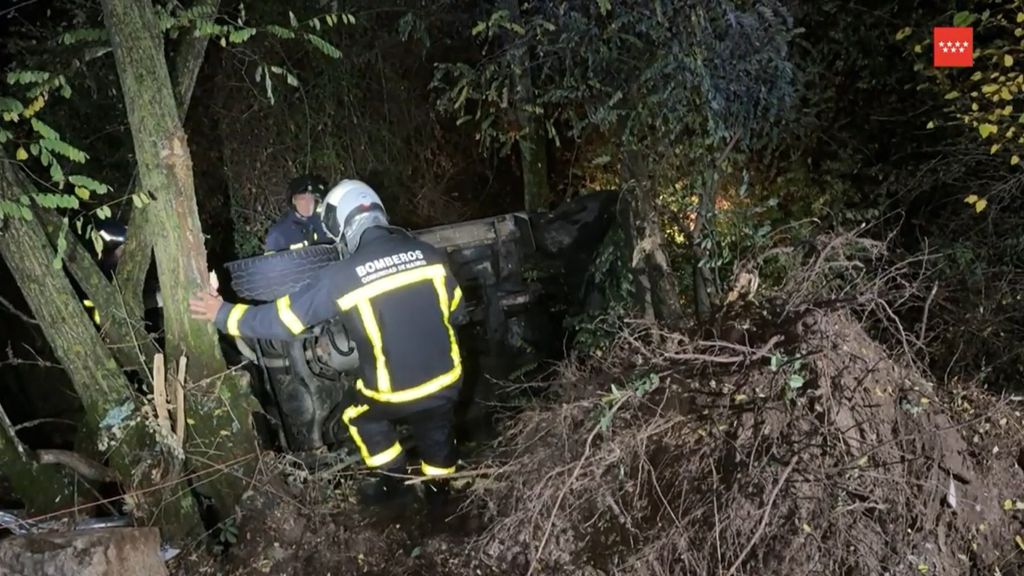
(372, 426)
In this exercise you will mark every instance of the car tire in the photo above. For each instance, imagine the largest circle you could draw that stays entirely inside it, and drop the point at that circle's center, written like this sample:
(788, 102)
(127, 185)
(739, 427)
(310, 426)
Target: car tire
(271, 276)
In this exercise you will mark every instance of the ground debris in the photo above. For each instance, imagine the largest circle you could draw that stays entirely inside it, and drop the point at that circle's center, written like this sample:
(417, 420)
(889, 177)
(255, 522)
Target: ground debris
(809, 452)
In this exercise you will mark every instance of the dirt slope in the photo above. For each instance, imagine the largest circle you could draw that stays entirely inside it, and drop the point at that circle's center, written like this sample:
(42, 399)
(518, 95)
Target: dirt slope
(681, 457)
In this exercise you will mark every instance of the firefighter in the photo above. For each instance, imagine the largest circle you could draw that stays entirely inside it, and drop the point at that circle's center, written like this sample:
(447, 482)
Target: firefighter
(113, 234)
(400, 304)
(301, 225)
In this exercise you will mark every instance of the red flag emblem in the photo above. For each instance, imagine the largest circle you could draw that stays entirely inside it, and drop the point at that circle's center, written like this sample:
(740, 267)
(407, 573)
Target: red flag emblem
(953, 47)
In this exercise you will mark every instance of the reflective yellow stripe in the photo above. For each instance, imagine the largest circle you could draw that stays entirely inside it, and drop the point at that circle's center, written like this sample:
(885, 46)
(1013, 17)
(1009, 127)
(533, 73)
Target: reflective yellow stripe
(375, 460)
(384, 457)
(298, 245)
(389, 283)
(284, 312)
(429, 470)
(360, 297)
(234, 317)
(456, 298)
(95, 311)
(373, 333)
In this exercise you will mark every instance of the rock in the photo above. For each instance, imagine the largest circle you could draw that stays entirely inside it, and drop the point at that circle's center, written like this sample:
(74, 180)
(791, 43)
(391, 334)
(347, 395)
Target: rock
(103, 552)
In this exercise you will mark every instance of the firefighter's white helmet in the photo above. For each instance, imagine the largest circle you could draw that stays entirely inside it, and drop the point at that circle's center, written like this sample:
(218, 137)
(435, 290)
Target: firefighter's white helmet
(349, 209)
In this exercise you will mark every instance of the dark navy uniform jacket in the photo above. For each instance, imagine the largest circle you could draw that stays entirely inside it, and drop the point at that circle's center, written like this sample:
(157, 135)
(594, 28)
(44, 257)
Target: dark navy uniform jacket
(399, 302)
(292, 231)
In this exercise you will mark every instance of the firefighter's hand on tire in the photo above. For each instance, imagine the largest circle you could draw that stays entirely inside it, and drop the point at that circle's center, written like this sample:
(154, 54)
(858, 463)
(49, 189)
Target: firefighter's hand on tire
(205, 305)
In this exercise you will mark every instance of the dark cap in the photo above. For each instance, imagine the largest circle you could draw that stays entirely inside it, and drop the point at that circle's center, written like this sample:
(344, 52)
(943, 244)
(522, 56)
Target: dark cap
(307, 183)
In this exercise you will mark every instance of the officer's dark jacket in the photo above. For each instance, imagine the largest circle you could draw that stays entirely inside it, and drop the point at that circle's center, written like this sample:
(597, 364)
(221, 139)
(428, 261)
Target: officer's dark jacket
(292, 231)
(399, 301)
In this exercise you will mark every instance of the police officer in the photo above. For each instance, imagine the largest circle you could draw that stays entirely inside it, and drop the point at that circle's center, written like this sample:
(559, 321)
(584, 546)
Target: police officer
(301, 225)
(400, 304)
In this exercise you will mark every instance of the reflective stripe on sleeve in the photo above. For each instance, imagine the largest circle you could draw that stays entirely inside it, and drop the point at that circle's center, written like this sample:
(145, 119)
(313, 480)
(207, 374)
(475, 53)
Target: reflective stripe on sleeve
(237, 311)
(284, 312)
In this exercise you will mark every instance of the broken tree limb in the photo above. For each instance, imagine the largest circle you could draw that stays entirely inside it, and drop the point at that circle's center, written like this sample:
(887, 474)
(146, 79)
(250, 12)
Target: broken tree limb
(84, 467)
(163, 416)
(179, 401)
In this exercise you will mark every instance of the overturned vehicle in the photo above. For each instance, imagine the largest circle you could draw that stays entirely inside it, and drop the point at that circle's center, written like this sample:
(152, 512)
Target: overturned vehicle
(520, 274)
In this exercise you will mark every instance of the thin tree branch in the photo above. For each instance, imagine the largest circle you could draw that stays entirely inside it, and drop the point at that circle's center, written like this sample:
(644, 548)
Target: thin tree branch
(13, 310)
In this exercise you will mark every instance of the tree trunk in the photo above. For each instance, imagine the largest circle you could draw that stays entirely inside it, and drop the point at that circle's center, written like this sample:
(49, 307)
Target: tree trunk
(702, 279)
(123, 332)
(219, 404)
(655, 287)
(138, 249)
(706, 290)
(43, 489)
(533, 146)
(135, 453)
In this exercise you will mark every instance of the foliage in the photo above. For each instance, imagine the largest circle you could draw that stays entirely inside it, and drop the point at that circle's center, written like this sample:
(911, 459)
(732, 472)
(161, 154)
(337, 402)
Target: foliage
(611, 283)
(989, 100)
(27, 91)
(674, 77)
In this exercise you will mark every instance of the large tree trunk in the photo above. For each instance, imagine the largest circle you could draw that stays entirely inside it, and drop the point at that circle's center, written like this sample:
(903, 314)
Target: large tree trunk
(136, 454)
(533, 144)
(138, 249)
(655, 291)
(219, 404)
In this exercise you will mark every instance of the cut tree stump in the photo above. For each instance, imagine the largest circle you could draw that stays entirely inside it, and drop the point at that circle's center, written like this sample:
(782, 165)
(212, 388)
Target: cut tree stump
(101, 552)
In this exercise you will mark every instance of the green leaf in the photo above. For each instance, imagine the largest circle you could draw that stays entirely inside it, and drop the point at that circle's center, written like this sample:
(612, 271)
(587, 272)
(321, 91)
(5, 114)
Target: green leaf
(986, 130)
(89, 183)
(136, 201)
(795, 381)
(270, 88)
(27, 76)
(293, 19)
(44, 130)
(11, 105)
(903, 33)
(56, 174)
(82, 192)
(479, 28)
(239, 36)
(323, 46)
(280, 32)
(64, 149)
(62, 241)
(963, 18)
(952, 95)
